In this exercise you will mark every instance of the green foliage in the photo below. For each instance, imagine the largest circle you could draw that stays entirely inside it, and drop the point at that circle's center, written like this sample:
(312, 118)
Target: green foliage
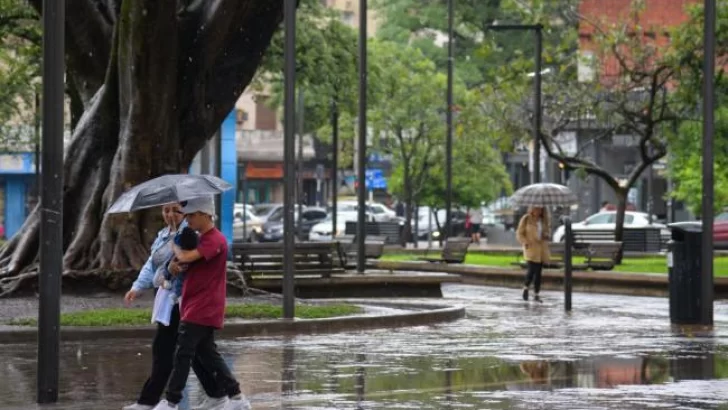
(479, 51)
(131, 317)
(685, 163)
(20, 57)
(326, 64)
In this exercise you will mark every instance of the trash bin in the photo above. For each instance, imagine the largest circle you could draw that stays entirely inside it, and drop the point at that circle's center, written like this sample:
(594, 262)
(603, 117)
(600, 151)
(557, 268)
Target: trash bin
(684, 272)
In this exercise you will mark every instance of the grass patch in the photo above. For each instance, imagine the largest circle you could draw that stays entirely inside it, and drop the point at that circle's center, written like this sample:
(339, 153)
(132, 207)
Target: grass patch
(652, 264)
(131, 317)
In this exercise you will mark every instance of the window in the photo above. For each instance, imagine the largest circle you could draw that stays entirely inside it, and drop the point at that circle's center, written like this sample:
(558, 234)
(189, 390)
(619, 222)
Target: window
(314, 214)
(628, 219)
(377, 209)
(347, 17)
(277, 215)
(600, 219)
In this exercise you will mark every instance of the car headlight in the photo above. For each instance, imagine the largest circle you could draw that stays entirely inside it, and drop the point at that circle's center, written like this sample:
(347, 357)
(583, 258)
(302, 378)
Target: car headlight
(436, 234)
(257, 229)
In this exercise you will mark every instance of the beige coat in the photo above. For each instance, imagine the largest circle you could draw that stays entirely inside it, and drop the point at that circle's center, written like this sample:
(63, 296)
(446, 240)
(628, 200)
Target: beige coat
(535, 249)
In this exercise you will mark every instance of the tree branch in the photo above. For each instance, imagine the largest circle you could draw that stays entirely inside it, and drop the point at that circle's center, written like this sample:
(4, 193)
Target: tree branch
(221, 62)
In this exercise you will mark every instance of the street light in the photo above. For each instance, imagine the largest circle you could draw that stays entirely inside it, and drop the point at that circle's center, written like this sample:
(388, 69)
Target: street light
(448, 144)
(51, 202)
(362, 143)
(538, 72)
(289, 157)
(706, 294)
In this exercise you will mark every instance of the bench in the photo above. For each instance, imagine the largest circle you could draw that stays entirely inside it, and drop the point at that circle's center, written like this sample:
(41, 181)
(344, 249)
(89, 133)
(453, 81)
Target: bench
(373, 247)
(646, 239)
(310, 258)
(454, 251)
(602, 255)
(557, 251)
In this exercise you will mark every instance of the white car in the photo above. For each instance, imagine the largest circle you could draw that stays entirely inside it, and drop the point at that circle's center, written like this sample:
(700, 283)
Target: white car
(381, 213)
(252, 225)
(324, 232)
(607, 221)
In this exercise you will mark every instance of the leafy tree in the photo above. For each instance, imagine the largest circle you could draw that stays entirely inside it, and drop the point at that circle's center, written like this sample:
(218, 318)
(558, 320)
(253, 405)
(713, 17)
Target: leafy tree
(478, 49)
(407, 122)
(630, 96)
(20, 40)
(155, 80)
(326, 64)
(686, 145)
(686, 162)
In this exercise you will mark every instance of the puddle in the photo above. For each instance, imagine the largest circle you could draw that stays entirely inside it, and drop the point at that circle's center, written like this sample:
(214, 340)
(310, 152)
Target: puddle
(612, 352)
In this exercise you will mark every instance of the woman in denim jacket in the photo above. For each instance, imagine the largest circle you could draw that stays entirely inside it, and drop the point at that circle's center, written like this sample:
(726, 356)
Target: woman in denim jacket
(165, 341)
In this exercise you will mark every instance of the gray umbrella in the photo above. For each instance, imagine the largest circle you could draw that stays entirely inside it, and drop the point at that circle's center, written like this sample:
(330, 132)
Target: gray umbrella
(543, 195)
(168, 189)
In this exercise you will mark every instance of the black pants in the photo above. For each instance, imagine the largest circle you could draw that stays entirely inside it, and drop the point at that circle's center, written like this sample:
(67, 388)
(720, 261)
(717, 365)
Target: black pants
(197, 343)
(163, 348)
(534, 275)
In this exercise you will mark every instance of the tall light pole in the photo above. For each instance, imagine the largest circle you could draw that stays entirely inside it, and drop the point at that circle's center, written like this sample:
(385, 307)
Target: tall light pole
(362, 153)
(448, 114)
(289, 157)
(537, 114)
(706, 294)
(51, 202)
(334, 164)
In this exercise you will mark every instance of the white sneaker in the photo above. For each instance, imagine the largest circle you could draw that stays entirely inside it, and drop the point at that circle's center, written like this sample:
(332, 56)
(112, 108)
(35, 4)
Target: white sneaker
(165, 405)
(211, 403)
(240, 403)
(137, 406)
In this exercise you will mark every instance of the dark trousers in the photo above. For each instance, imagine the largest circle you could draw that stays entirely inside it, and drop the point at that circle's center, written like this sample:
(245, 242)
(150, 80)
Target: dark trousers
(163, 348)
(197, 343)
(534, 275)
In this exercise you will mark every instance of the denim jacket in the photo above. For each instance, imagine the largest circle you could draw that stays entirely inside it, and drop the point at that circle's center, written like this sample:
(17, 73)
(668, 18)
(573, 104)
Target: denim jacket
(145, 280)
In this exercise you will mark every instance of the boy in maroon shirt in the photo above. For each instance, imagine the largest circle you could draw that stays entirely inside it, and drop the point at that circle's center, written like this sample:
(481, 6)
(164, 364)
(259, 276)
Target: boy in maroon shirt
(202, 307)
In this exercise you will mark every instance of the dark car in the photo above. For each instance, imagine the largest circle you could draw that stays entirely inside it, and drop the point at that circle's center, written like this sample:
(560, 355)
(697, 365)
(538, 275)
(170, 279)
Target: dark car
(272, 230)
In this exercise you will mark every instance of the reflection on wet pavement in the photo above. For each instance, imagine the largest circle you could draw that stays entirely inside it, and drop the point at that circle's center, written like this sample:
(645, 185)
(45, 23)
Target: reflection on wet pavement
(611, 352)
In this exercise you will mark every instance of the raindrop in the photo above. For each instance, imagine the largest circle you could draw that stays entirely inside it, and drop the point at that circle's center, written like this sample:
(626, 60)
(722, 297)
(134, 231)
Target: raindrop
(144, 12)
(90, 53)
(190, 58)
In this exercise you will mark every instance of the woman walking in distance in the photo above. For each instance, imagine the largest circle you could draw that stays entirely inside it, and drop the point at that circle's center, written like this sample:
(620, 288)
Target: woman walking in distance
(533, 234)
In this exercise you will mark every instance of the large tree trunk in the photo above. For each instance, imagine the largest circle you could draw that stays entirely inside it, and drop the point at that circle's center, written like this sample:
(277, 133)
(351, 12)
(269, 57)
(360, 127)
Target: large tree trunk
(173, 72)
(619, 222)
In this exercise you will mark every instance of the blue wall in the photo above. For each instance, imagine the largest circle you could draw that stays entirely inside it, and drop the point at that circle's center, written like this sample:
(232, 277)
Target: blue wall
(15, 189)
(229, 171)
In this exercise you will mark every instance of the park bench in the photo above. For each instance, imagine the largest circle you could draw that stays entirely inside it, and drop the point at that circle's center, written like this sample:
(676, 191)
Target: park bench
(557, 251)
(310, 258)
(646, 239)
(454, 251)
(348, 246)
(602, 255)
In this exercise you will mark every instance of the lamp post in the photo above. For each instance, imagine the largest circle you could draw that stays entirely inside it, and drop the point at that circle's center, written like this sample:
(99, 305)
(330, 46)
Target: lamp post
(448, 144)
(362, 142)
(335, 164)
(51, 202)
(538, 32)
(706, 294)
(289, 157)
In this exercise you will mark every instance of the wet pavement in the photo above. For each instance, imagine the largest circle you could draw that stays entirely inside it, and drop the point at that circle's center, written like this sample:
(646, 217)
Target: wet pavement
(611, 352)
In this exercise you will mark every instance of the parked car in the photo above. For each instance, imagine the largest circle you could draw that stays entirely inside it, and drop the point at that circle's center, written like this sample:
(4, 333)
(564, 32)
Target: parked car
(720, 231)
(252, 224)
(272, 230)
(607, 221)
(424, 231)
(380, 213)
(323, 231)
(265, 211)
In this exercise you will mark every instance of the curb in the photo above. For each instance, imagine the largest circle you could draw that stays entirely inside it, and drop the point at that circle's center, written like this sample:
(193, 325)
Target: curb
(634, 284)
(429, 314)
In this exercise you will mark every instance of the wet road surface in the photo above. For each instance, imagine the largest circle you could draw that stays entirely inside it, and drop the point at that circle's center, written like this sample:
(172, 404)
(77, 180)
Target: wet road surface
(611, 352)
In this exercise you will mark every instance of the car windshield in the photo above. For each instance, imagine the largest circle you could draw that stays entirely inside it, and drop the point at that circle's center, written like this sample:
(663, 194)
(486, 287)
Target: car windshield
(722, 217)
(260, 210)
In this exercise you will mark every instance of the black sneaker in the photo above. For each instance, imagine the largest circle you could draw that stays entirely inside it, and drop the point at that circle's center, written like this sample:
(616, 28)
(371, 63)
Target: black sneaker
(525, 293)
(537, 298)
